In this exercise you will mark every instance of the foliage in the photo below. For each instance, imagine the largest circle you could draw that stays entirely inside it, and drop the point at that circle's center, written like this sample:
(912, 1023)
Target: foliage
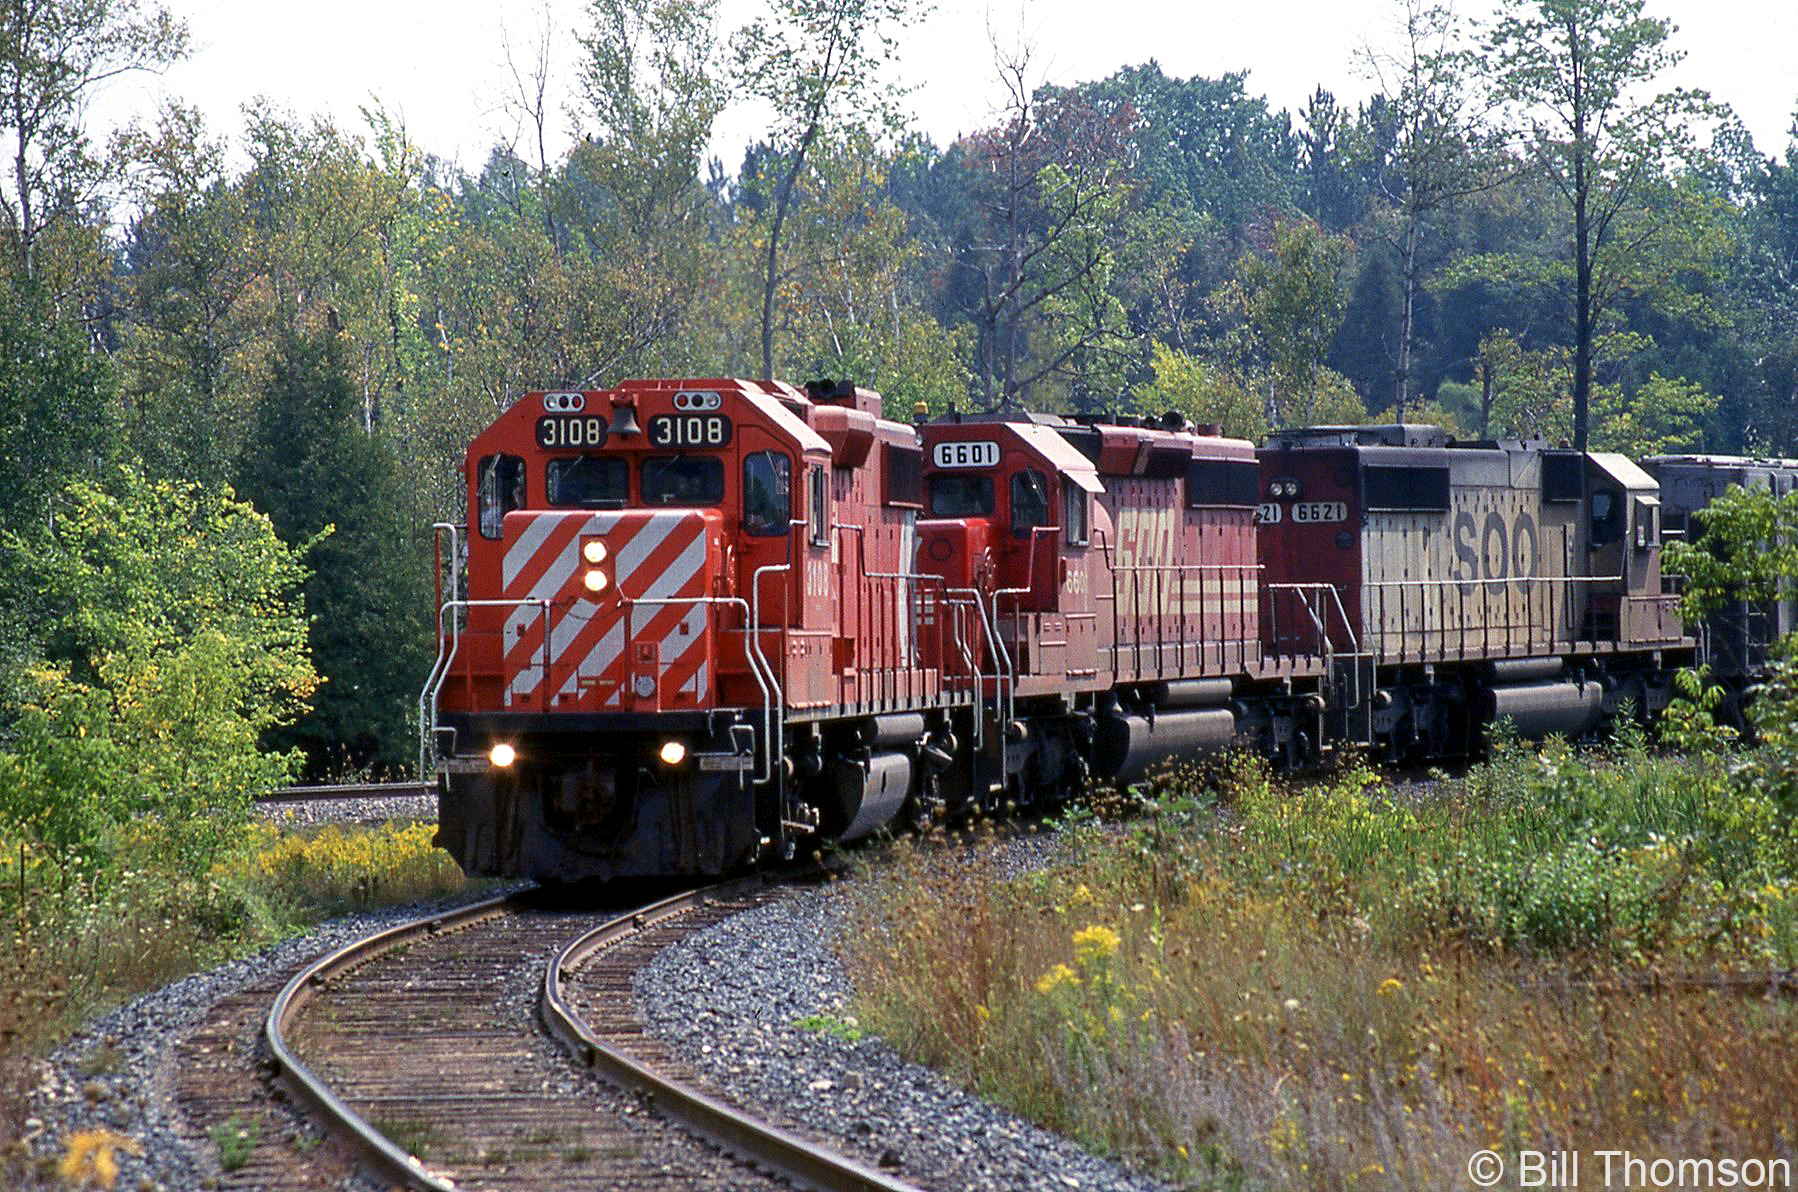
(53, 57)
(1742, 546)
(1349, 983)
(58, 412)
(1572, 70)
(171, 639)
(332, 488)
(1203, 393)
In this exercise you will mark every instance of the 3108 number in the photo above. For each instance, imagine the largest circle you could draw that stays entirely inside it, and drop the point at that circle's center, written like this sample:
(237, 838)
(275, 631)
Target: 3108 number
(689, 430)
(560, 433)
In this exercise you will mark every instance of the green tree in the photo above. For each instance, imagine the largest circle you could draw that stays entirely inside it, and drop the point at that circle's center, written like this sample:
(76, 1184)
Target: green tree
(817, 63)
(1570, 72)
(1291, 302)
(1664, 415)
(170, 639)
(1436, 156)
(58, 412)
(1204, 393)
(334, 489)
(53, 55)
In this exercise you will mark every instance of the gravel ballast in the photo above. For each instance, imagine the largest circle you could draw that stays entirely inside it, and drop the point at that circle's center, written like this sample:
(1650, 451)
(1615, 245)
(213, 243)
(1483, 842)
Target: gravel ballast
(117, 1073)
(728, 1000)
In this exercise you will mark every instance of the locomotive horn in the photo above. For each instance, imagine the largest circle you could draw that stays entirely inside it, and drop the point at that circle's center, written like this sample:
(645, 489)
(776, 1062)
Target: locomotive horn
(624, 421)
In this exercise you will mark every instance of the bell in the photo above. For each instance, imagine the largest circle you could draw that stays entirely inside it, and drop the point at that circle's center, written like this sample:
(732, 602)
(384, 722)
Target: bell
(624, 421)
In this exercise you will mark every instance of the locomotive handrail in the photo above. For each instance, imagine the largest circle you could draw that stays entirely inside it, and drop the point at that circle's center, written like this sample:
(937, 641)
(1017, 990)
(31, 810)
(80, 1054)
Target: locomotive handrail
(1001, 675)
(1317, 619)
(910, 578)
(427, 716)
(1485, 627)
(433, 689)
(775, 722)
(1241, 573)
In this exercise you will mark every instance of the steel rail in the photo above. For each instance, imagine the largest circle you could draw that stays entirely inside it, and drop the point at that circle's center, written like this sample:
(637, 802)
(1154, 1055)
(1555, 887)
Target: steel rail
(803, 1163)
(346, 790)
(390, 1160)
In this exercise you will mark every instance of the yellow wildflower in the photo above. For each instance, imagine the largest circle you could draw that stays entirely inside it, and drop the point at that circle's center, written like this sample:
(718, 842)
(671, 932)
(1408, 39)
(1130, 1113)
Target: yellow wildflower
(1391, 985)
(1094, 943)
(90, 1162)
(1060, 975)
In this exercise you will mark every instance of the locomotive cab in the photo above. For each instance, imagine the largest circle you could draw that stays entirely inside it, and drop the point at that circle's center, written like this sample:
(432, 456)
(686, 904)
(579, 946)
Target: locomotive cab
(1010, 513)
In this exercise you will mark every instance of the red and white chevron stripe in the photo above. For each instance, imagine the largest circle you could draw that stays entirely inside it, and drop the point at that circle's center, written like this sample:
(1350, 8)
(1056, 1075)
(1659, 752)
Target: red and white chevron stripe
(634, 646)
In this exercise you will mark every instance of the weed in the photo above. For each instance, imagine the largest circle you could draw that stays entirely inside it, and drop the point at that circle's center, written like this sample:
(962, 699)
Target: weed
(234, 1139)
(1348, 983)
(846, 1029)
(415, 1136)
(103, 1061)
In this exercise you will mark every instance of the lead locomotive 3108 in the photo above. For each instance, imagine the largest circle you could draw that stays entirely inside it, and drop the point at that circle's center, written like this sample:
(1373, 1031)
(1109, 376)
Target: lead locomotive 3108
(708, 622)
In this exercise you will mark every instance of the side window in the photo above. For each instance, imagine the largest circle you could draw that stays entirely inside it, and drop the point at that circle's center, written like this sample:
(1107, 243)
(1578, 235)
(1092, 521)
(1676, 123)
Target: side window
(501, 482)
(767, 493)
(820, 515)
(1029, 502)
(1607, 517)
(1074, 512)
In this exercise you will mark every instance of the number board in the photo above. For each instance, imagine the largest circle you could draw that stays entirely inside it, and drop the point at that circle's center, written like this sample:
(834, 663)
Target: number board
(554, 434)
(1312, 512)
(689, 430)
(980, 454)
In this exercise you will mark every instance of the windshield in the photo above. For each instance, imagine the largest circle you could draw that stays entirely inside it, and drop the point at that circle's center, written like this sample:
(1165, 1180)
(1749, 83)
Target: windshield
(960, 494)
(587, 482)
(683, 480)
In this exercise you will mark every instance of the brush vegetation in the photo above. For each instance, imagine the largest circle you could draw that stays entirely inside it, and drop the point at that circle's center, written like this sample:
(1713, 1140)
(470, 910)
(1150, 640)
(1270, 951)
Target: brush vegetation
(1356, 983)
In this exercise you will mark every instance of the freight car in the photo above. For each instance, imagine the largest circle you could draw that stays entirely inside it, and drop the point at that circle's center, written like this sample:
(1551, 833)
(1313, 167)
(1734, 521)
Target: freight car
(708, 622)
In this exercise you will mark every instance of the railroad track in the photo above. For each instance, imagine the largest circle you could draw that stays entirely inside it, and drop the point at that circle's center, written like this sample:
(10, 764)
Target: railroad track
(346, 790)
(417, 1046)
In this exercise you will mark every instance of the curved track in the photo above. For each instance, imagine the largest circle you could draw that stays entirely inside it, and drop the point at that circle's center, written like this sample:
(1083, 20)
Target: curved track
(417, 1045)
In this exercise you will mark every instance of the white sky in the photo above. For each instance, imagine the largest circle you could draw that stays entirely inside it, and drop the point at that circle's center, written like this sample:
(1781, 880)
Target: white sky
(441, 65)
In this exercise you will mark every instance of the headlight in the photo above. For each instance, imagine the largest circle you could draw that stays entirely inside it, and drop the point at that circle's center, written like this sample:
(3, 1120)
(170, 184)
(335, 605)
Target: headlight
(502, 755)
(594, 551)
(673, 753)
(595, 580)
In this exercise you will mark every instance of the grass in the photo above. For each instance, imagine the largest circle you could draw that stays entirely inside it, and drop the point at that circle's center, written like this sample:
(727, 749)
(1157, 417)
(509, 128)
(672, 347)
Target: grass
(84, 941)
(234, 1140)
(1350, 985)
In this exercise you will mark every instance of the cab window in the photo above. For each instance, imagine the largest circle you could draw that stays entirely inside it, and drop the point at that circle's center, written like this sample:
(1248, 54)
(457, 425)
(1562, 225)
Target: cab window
(820, 515)
(767, 493)
(1073, 512)
(683, 480)
(500, 481)
(960, 494)
(587, 482)
(1607, 517)
(1029, 502)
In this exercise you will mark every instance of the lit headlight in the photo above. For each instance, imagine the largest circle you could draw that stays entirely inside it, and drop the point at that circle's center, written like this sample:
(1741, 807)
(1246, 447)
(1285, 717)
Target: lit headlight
(673, 753)
(594, 551)
(595, 580)
(502, 755)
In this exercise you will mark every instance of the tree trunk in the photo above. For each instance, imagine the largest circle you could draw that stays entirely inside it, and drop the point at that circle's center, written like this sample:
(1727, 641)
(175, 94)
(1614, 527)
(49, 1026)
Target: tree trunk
(1404, 335)
(782, 198)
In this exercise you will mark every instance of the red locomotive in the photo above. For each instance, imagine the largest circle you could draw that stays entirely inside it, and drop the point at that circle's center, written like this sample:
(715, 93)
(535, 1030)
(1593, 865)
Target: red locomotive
(709, 621)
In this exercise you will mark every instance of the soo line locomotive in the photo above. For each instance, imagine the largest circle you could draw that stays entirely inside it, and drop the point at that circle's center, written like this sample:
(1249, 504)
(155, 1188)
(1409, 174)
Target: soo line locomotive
(691, 625)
